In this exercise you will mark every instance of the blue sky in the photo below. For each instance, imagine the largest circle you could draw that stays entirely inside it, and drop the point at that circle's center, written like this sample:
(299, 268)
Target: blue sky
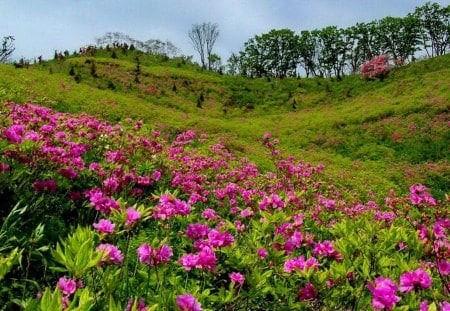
(42, 26)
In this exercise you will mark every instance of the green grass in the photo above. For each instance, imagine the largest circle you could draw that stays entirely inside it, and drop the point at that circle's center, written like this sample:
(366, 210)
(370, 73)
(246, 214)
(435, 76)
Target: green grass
(373, 135)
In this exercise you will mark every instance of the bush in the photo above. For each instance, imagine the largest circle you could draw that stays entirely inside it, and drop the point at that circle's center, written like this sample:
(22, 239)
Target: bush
(377, 67)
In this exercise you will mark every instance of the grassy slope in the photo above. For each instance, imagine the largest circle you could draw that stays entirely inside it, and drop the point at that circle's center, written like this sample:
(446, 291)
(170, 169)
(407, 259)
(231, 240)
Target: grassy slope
(376, 134)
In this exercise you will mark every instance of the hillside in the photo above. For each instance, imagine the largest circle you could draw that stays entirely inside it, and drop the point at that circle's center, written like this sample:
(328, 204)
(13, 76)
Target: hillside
(376, 135)
(101, 211)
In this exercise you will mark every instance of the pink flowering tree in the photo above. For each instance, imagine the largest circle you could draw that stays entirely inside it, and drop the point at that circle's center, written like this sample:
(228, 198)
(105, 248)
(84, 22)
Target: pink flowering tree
(377, 67)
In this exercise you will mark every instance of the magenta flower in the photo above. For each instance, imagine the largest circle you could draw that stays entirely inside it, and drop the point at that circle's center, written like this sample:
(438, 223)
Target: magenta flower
(132, 216)
(4, 167)
(187, 302)
(444, 267)
(188, 261)
(104, 226)
(220, 239)
(197, 231)
(236, 277)
(424, 306)
(144, 252)
(156, 175)
(111, 254)
(153, 256)
(164, 254)
(67, 286)
(262, 253)
(301, 264)
(445, 306)
(307, 292)
(414, 279)
(383, 290)
(209, 214)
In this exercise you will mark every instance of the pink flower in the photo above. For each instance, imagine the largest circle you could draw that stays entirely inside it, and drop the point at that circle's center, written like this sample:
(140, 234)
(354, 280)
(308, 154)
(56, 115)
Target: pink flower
(220, 239)
(444, 267)
(153, 256)
(144, 252)
(424, 306)
(104, 226)
(187, 302)
(414, 279)
(383, 290)
(262, 253)
(236, 277)
(301, 264)
(197, 231)
(307, 292)
(209, 214)
(67, 286)
(163, 254)
(156, 175)
(188, 261)
(445, 306)
(111, 254)
(4, 167)
(132, 216)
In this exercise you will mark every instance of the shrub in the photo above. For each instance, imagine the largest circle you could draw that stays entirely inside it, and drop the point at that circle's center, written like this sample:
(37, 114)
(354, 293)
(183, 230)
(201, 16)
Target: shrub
(377, 67)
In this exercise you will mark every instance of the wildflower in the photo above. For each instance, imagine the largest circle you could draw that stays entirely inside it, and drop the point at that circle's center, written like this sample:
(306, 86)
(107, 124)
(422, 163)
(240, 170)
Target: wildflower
(197, 231)
(444, 267)
(307, 292)
(401, 245)
(246, 213)
(445, 306)
(262, 253)
(236, 277)
(163, 254)
(220, 239)
(104, 226)
(132, 216)
(111, 254)
(14, 133)
(153, 256)
(207, 259)
(414, 279)
(67, 286)
(45, 185)
(424, 306)
(301, 264)
(209, 214)
(383, 290)
(156, 175)
(187, 302)
(326, 249)
(4, 167)
(188, 261)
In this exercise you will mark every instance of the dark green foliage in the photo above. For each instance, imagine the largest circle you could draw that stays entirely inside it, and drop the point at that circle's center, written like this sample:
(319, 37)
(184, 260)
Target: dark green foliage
(93, 69)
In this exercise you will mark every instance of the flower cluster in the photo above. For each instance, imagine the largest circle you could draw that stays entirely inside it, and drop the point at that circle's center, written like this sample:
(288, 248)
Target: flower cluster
(152, 256)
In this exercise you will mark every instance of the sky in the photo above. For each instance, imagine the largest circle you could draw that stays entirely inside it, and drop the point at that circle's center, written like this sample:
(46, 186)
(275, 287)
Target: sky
(42, 26)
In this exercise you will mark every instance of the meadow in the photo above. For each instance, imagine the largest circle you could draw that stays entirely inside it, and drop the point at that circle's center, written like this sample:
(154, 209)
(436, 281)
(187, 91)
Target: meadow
(175, 188)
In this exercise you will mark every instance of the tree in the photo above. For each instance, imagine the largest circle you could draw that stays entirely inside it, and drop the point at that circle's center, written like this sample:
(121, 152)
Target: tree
(435, 24)
(399, 37)
(7, 48)
(203, 37)
(308, 52)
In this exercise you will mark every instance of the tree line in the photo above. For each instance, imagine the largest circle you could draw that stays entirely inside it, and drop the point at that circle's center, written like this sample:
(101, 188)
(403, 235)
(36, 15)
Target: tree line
(334, 52)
